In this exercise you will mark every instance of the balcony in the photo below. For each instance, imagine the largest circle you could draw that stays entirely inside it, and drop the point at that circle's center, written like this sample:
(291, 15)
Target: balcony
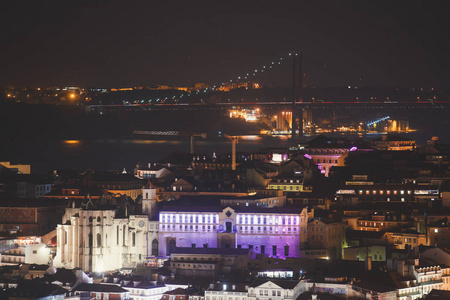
(431, 282)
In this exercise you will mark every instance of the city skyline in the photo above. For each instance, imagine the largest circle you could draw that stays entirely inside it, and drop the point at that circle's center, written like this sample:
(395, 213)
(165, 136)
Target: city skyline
(247, 150)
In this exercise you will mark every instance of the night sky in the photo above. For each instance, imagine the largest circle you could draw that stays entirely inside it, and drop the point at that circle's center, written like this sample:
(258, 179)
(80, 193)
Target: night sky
(144, 43)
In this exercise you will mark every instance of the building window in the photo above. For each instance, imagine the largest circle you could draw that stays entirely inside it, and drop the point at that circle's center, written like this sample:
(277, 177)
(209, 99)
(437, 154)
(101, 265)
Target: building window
(99, 240)
(90, 240)
(123, 236)
(274, 250)
(155, 247)
(134, 239)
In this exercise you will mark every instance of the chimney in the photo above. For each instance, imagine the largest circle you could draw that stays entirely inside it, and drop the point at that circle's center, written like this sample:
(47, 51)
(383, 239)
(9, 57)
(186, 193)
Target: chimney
(368, 263)
(401, 268)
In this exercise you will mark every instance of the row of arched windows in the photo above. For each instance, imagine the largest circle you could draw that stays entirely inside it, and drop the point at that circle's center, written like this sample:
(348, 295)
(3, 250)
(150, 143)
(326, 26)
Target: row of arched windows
(133, 236)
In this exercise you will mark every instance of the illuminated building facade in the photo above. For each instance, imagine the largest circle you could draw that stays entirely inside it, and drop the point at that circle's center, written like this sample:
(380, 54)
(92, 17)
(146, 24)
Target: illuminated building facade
(393, 143)
(326, 158)
(410, 239)
(287, 184)
(103, 235)
(274, 232)
(95, 240)
(259, 289)
(362, 190)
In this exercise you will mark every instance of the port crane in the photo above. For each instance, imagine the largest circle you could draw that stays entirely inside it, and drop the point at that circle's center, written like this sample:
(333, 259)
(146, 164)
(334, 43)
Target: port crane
(234, 140)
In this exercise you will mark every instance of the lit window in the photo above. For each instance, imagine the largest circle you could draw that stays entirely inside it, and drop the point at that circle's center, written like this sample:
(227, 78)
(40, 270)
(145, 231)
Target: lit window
(436, 230)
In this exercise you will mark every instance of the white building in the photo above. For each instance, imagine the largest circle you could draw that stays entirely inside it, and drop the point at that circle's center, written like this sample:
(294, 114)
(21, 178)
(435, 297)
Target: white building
(106, 235)
(39, 254)
(152, 171)
(139, 287)
(15, 256)
(263, 289)
(276, 232)
(420, 277)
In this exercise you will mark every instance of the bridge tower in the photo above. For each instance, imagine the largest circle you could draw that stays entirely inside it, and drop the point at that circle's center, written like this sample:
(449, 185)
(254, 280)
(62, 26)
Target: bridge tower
(297, 94)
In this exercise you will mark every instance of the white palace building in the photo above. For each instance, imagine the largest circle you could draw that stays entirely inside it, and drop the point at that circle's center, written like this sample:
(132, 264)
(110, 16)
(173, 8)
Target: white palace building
(115, 233)
(277, 231)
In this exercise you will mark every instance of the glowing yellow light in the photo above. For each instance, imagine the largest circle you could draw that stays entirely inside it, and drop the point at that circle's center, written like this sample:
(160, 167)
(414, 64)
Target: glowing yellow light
(72, 96)
(72, 142)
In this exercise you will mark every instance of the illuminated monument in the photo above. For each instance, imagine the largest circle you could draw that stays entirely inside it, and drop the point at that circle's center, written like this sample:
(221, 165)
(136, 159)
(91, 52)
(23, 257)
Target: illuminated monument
(110, 233)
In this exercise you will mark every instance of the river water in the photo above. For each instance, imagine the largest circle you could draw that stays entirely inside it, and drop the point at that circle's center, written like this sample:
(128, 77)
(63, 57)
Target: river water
(117, 154)
(52, 138)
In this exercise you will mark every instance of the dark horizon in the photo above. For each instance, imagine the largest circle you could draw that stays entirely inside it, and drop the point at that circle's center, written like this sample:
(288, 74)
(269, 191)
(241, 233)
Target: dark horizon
(113, 44)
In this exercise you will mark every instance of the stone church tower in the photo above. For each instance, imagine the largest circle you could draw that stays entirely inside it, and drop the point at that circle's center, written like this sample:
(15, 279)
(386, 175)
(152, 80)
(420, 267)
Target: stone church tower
(149, 200)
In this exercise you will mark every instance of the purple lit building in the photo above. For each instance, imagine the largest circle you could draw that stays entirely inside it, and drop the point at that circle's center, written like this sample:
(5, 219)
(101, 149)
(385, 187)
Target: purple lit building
(275, 232)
